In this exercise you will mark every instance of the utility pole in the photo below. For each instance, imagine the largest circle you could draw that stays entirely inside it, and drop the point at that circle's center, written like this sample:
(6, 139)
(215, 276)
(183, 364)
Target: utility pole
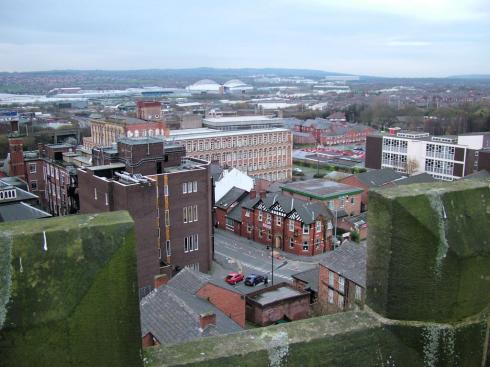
(272, 263)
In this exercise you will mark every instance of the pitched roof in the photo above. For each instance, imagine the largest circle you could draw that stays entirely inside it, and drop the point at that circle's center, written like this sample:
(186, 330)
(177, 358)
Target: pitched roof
(20, 211)
(171, 315)
(232, 196)
(216, 171)
(235, 214)
(189, 281)
(307, 210)
(379, 177)
(310, 277)
(348, 260)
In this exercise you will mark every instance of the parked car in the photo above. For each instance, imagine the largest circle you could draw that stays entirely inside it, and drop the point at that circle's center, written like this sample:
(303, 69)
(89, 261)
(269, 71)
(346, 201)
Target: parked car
(234, 278)
(254, 279)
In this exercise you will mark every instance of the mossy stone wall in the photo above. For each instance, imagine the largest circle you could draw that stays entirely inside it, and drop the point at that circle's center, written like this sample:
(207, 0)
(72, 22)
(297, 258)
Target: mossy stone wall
(73, 298)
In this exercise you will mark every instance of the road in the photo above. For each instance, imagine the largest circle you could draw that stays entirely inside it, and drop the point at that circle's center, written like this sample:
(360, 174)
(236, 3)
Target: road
(234, 253)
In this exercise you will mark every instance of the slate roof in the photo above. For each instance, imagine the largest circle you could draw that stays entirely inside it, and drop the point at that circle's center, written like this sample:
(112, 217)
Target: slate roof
(171, 315)
(20, 211)
(310, 277)
(420, 178)
(379, 177)
(348, 260)
(230, 197)
(216, 171)
(321, 189)
(189, 281)
(236, 214)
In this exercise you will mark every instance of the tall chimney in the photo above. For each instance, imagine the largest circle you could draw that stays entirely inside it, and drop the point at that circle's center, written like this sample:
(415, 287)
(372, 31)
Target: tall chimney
(160, 280)
(206, 319)
(253, 194)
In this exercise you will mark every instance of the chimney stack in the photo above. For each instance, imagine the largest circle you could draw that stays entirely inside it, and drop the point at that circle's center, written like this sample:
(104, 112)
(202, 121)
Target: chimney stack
(253, 194)
(160, 280)
(206, 319)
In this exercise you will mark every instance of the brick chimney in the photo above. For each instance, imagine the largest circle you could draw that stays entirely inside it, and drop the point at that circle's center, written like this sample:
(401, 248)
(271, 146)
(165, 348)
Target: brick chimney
(253, 194)
(160, 280)
(206, 319)
(262, 194)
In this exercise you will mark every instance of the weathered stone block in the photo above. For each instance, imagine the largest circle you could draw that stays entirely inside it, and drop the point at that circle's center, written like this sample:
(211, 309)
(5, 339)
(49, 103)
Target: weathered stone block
(68, 294)
(429, 251)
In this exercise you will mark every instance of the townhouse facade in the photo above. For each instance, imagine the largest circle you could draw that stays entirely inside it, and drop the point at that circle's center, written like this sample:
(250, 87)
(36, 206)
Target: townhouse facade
(342, 279)
(279, 221)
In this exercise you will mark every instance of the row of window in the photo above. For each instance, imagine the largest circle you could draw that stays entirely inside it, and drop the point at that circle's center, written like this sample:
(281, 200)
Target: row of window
(233, 142)
(191, 243)
(190, 213)
(291, 223)
(440, 151)
(440, 167)
(188, 187)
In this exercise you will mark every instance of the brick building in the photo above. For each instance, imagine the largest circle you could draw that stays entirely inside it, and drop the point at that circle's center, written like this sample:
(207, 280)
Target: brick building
(279, 302)
(342, 278)
(168, 196)
(292, 225)
(261, 153)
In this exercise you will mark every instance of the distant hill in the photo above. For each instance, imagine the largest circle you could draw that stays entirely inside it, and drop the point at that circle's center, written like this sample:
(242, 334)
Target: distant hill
(470, 76)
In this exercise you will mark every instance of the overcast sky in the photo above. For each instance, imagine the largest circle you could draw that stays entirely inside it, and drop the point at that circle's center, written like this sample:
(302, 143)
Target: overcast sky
(370, 37)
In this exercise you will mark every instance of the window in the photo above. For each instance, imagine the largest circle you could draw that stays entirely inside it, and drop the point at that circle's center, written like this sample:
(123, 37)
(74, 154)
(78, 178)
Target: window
(191, 243)
(340, 301)
(269, 219)
(195, 213)
(106, 199)
(165, 190)
(184, 188)
(291, 242)
(95, 193)
(352, 200)
(278, 220)
(331, 278)
(167, 217)
(269, 235)
(306, 229)
(331, 205)
(291, 225)
(358, 293)
(318, 226)
(317, 243)
(168, 248)
(189, 187)
(32, 168)
(260, 215)
(194, 184)
(247, 213)
(186, 244)
(33, 185)
(330, 296)
(260, 233)
(341, 284)
(184, 210)
(305, 246)
(249, 228)
(229, 223)
(196, 242)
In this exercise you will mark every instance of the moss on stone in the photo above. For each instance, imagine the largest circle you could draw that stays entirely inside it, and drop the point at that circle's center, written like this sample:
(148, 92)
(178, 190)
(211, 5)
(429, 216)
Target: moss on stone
(74, 300)
(428, 251)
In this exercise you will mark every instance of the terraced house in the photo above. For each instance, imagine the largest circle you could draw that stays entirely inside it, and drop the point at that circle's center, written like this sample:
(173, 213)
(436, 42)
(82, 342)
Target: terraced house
(275, 219)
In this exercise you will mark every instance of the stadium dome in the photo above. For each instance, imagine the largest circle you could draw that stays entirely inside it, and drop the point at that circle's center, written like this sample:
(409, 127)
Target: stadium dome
(204, 85)
(233, 83)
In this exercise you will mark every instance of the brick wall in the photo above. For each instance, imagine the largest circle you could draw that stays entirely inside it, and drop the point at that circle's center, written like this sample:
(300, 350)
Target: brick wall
(230, 303)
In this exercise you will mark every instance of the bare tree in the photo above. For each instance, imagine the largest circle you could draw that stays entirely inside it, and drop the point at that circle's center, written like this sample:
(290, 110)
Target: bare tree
(412, 166)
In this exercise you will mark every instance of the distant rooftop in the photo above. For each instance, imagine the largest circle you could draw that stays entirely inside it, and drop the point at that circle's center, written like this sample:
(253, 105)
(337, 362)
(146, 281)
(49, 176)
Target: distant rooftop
(267, 296)
(209, 133)
(348, 260)
(240, 119)
(321, 189)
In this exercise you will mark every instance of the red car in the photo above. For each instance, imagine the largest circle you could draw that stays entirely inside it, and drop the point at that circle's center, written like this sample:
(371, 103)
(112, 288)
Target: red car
(234, 278)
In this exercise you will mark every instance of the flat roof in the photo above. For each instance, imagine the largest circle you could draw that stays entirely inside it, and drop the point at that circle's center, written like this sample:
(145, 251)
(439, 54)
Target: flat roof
(240, 119)
(209, 133)
(321, 189)
(105, 166)
(142, 140)
(274, 295)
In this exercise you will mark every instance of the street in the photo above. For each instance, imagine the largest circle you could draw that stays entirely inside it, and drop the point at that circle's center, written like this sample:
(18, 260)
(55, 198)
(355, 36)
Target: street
(234, 253)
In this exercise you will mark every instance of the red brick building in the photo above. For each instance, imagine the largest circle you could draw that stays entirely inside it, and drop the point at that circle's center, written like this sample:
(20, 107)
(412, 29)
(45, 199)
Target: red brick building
(292, 225)
(168, 196)
(342, 278)
(276, 303)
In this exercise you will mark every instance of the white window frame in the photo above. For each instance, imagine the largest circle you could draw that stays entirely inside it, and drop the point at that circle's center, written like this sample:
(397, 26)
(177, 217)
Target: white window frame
(194, 186)
(331, 278)
(306, 229)
(30, 167)
(106, 199)
(186, 245)
(307, 245)
(184, 188)
(195, 213)
(330, 295)
(95, 193)
(358, 293)
(278, 220)
(167, 217)
(184, 214)
(165, 190)
(34, 182)
(260, 216)
(291, 225)
(341, 284)
(318, 226)
(340, 301)
(247, 213)
(196, 242)
(168, 248)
